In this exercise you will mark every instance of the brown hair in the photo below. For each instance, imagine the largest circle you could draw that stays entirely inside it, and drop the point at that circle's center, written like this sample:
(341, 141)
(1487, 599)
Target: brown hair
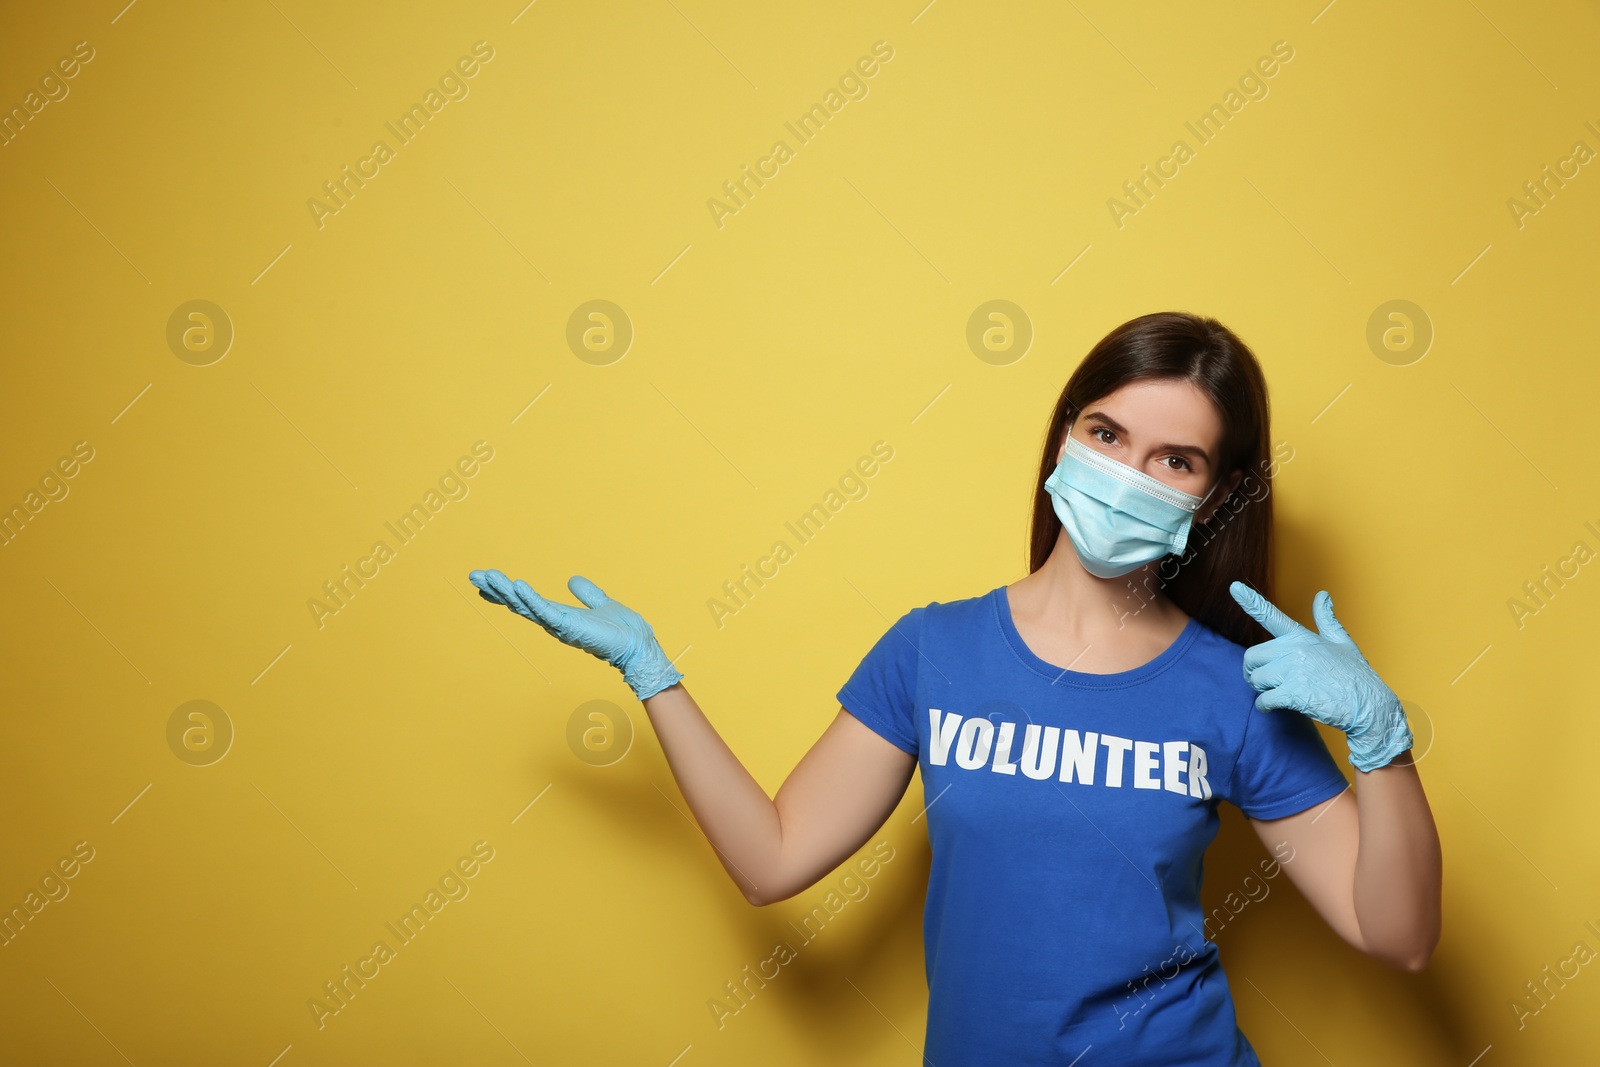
(1236, 542)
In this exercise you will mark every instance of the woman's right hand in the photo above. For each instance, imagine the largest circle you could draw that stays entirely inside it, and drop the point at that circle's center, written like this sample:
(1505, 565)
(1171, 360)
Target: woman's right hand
(605, 628)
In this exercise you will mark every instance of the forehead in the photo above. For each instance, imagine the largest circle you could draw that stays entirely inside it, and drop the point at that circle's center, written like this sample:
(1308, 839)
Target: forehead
(1160, 412)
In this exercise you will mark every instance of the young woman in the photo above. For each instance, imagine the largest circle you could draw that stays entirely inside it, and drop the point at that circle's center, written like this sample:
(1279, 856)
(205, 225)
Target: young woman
(1076, 731)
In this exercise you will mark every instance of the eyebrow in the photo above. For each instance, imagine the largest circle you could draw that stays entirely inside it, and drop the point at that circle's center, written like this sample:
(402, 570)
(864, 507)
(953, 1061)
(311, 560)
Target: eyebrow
(1115, 426)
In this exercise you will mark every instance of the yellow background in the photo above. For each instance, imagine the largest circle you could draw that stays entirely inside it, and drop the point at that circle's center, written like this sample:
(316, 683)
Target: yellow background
(769, 354)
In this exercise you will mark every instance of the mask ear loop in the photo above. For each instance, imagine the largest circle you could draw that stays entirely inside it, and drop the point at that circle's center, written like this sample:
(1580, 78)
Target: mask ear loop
(1197, 507)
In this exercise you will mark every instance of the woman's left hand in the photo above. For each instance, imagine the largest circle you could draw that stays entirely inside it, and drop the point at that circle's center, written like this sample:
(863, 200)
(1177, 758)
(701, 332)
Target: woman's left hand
(1324, 676)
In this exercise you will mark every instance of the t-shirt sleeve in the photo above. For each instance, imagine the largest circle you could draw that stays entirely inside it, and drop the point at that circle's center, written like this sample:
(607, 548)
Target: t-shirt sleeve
(1284, 766)
(882, 691)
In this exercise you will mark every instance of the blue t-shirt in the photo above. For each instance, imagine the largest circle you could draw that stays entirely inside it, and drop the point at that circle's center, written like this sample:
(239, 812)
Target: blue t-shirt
(1068, 816)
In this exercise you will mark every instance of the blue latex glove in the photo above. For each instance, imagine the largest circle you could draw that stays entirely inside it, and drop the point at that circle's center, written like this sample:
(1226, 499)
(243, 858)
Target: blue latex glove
(1323, 675)
(604, 628)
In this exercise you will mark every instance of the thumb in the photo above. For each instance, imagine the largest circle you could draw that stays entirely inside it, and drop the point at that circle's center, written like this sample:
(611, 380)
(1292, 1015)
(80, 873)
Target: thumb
(1327, 625)
(588, 594)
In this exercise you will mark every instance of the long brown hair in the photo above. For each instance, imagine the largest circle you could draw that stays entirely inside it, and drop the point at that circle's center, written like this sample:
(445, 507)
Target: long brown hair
(1236, 543)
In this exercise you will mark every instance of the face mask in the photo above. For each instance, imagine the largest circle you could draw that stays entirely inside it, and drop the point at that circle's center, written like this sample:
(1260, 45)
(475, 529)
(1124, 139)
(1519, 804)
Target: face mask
(1117, 518)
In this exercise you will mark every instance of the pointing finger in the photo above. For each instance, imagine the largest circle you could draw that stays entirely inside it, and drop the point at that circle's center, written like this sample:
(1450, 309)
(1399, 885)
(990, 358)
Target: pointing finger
(1263, 610)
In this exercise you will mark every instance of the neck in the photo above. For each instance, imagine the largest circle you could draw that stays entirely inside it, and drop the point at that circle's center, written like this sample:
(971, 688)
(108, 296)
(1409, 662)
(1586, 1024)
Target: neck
(1082, 603)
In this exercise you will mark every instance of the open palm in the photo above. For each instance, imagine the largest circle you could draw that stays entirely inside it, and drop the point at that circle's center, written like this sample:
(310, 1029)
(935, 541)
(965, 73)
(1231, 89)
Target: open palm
(603, 627)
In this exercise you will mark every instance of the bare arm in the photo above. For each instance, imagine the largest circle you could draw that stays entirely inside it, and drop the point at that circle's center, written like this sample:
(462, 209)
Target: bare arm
(1369, 862)
(837, 796)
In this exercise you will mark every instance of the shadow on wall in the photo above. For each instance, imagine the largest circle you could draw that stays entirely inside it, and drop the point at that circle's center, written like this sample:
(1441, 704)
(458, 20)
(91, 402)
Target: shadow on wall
(862, 968)
(865, 942)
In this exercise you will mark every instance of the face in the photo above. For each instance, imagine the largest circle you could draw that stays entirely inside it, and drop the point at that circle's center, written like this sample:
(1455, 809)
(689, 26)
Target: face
(1164, 428)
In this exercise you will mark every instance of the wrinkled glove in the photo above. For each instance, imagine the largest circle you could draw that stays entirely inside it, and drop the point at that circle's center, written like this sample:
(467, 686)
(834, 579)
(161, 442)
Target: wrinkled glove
(1324, 676)
(604, 628)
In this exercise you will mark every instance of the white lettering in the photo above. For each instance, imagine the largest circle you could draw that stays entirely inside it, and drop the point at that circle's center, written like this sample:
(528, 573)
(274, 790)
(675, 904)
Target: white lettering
(1002, 750)
(1173, 762)
(989, 743)
(1034, 764)
(972, 748)
(1144, 765)
(1115, 748)
(1077, 756)
(1198, 786)
(941, 734)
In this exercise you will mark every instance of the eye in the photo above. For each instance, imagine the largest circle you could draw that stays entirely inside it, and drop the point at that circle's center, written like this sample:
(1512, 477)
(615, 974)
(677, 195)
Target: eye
(1183, 461)
(1096, 431)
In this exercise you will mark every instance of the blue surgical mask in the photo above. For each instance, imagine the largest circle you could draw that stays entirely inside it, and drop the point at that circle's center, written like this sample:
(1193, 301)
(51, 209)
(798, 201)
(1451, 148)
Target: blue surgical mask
(1117, 518)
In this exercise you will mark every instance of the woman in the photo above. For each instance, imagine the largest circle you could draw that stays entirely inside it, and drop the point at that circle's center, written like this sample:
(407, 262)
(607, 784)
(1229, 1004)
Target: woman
(1077, 730)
